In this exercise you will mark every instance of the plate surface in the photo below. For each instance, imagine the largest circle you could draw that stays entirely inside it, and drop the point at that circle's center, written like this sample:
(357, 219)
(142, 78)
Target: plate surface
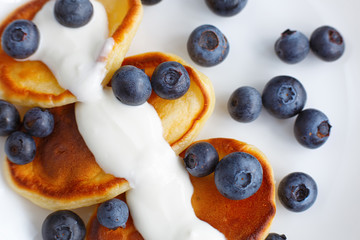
(331, 87)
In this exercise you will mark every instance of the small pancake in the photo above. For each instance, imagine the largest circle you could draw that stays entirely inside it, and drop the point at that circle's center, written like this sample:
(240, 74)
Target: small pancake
(183, 118)
(31, 83)
(245, 219)
(64, 173)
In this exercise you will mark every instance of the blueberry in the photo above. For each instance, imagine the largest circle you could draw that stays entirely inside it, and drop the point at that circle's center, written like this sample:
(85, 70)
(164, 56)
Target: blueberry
(150, 2)
(201, 159)
(113, 213)
(327, 43)
(207, 46)
(244, 104)
(20, 39)
(73, 13)
(292, 46)
(275, 236)
(238, 175)
(38, 122)
(9, 118)
(297, 191)
(312, 128)
(226, 8)
(170, 80)
(284, 97)
(63, 225)
(131, 85)
(20, 148)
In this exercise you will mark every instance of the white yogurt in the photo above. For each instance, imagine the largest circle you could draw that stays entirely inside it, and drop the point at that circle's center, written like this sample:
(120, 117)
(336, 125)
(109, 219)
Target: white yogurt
(80, 73)
(127, 142)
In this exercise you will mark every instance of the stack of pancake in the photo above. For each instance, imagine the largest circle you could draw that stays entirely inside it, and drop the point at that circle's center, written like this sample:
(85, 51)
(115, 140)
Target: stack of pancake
(64, 173)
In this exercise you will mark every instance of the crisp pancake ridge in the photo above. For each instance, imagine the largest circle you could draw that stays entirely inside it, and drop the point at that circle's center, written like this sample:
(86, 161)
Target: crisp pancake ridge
(65, 175)
(31, 83)
(250, 218)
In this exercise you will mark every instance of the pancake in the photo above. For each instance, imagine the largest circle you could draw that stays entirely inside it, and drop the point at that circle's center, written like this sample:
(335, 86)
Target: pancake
(64, 173)
(245, 219)
(183, 118)
(31, 83)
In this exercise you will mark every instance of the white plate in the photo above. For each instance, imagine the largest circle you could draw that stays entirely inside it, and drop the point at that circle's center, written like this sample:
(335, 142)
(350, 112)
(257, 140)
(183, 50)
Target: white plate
(331, 88)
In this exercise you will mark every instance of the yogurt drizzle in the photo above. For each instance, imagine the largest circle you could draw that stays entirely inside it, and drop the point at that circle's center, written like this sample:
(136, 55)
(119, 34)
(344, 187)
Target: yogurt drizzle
(72, 53)
(126, 141)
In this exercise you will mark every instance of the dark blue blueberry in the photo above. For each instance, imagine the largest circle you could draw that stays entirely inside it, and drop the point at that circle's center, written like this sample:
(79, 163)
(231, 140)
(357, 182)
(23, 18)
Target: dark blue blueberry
(170, 80)
(113, 213)
(238, 175)
(327, 43)
(63, 225)
(9, 118)
(20, 148)
(20, 39)
(201, 159)
(284, 97)
(244, 104)
(292, 47)
(312, 128)
(297, 191)
(73, 13)
(225, 7)
(131, 85)
(275, 236)
(207, 46)
(38, 122)
(150, 2)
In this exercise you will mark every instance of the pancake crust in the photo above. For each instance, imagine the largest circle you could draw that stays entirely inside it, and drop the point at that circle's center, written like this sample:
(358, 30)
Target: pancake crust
(250, 218)
(31, 83)
(64, 173)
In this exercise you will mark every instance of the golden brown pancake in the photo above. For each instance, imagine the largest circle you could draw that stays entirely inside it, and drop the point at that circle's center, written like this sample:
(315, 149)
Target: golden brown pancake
(31, 83)
(180, 128)
(237, 219)
(64, 173)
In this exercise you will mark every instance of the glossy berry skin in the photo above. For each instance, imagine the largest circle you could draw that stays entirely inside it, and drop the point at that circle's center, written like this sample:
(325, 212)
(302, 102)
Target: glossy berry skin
(284, 97)
(292, 46)
(226, 8)
(38, 122)
(113, 213)
(244, 104)
(207, 46)
(73, 13)
(238, 175)
(327, 43)
(150, 2)
(63, 225)
(201, 159)
(20, 39)
(170, 80)
(131, 85)
(297, 191)
(275, 236)
(9, 118)
(312, 128)
(20, 148)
